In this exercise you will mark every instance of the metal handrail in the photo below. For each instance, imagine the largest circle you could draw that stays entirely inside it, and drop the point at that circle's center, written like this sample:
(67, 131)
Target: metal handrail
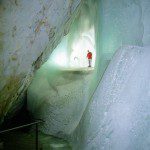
(21, 126)
(26, 125)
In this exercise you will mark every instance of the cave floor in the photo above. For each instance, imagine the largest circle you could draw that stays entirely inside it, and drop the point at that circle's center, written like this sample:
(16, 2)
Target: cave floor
(26, 141)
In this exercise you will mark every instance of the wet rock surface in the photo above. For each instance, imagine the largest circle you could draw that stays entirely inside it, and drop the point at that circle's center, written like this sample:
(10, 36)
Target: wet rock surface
(29, 31)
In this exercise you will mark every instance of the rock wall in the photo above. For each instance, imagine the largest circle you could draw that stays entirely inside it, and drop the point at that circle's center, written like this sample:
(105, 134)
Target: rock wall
(29, 31)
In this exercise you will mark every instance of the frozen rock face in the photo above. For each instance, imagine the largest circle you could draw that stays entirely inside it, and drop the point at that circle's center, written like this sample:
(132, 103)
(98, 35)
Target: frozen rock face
(29, 31)
(118, 116)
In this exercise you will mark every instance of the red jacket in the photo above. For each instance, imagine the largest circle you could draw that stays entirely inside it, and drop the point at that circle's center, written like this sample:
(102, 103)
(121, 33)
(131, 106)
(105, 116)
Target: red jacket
(89, 55)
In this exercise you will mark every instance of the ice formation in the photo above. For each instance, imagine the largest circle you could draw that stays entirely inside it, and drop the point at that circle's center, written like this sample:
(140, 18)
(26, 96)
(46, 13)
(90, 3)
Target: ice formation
(59, 96)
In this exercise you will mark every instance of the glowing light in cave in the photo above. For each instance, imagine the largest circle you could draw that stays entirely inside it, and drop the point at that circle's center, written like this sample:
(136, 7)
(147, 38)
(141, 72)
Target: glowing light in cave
(61, 59)
(86, 41)
(62, 56)
(59, 56)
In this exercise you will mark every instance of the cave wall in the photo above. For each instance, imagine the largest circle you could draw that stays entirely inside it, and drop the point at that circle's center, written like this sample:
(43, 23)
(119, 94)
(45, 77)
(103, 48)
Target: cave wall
(107, 121)
(120, 23)
(29, 31)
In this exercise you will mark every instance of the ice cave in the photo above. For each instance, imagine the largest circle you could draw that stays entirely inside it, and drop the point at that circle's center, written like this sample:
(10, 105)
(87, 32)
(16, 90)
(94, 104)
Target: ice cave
(54, 95)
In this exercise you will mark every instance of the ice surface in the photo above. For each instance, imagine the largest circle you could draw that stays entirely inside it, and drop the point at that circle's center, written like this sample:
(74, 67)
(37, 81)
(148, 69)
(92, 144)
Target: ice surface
(118, 116)
(120, 23)
(59, 96)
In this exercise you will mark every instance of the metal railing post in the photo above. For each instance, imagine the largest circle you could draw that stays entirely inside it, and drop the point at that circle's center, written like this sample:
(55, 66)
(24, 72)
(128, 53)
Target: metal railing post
(26, 125)
(36, 137)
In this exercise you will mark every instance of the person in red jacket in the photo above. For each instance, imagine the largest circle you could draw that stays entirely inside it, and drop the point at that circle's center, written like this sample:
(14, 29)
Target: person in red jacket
(89, 57)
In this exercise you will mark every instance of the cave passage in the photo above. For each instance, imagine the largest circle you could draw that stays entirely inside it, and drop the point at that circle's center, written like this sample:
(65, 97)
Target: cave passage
(61, 88)
(98, 108)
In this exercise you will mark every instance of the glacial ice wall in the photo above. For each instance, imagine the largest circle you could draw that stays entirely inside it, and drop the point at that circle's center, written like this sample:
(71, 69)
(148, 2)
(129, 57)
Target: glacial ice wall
(120, 23)
(118, 115)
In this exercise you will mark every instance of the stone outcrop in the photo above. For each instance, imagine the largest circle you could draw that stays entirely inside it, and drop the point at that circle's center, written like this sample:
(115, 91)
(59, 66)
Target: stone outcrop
(29, 31)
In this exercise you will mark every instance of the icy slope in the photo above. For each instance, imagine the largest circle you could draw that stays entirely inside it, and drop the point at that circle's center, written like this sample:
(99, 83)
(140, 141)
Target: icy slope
(59, 97)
